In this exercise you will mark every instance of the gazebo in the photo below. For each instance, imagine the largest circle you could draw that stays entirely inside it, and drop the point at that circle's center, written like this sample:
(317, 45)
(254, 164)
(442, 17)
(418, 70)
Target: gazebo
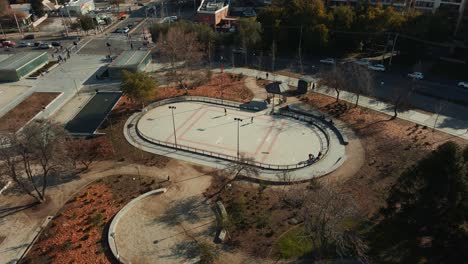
(276, 88)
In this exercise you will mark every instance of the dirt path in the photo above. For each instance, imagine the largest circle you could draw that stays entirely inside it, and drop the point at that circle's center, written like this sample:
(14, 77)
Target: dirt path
(251, 84)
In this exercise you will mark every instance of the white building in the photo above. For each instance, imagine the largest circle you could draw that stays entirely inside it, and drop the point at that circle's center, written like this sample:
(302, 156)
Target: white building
(78, 7)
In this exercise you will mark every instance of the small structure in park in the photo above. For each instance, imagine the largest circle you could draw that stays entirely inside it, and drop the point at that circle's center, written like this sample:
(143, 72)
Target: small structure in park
(130, 60)
(305, 84)
(21, 64)
(278, 88)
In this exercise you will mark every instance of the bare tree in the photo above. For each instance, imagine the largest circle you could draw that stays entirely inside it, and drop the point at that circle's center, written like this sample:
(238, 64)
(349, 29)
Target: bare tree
(400, 99)
(360, 80)
(325, 213)
(439, 107)
(334, 79)
(33, 154)
(183, 48)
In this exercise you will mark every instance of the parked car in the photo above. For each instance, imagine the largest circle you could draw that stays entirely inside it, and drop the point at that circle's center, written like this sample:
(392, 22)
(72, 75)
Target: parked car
(376, 67)
(463, 84)
(141, 4)
(416, 75)
(45, 46)
(56, 44)
(23, 44)
(37, 43)
(328, 61)
(173, 18)
(30, 36)
(8, 43)
(363, 62)
(3, 40)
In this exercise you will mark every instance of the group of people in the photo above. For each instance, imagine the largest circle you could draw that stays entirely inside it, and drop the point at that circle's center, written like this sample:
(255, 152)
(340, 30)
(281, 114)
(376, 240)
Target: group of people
(313, 159)
(61, 55)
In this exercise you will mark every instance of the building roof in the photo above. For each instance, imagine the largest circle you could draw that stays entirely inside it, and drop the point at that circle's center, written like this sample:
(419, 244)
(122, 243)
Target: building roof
(130, 58)
(276, 87)
(14, 62)
(212, 6)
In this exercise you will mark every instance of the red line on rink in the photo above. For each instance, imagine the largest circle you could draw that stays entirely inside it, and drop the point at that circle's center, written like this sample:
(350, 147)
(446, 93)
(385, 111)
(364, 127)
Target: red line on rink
(273, 141)
(183, 124)
(264, 138)
(193, 123)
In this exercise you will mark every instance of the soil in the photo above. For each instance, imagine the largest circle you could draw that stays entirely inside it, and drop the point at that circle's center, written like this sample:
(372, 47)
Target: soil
(17, 117)
(43, 69)
(390, 146)
(77, 234)
(226, 86)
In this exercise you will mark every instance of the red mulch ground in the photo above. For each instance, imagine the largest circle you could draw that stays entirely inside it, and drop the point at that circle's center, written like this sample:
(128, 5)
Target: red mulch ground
(25, 111)
(78, 233)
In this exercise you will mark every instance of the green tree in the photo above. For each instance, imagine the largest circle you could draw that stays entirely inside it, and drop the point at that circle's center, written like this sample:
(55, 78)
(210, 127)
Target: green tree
(427, 210)
(343, 17)
(37, 8)
(138, 86)
(86, 23)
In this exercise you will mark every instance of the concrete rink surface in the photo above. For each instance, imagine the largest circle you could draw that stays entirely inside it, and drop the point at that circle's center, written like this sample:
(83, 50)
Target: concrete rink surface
(269, 139)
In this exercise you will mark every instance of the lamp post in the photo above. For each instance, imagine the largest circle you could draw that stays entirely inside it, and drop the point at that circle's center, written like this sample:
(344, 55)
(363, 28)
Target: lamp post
(238, 122)
(173, 123)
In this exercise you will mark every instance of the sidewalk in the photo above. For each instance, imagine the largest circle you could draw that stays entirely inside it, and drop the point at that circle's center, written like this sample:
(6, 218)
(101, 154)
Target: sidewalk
(449, 125)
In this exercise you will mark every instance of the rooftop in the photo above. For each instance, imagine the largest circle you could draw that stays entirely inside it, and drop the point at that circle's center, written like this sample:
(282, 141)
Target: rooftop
(213, 5)
(18, 60)
(130, 57)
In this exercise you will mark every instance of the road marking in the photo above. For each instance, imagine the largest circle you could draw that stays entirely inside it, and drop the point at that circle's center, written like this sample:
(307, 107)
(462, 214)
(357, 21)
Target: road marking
(274, 140)
(82, 46)
(183, 124)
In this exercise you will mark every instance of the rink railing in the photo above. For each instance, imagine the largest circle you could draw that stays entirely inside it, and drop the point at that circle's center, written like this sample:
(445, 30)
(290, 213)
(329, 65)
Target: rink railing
(323, 145)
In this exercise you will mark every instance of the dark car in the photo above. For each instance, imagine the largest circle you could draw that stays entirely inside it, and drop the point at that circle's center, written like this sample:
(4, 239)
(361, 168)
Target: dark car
(56, 44)
(140, 4)
(30, 36)
(3, 40)
(37, 43)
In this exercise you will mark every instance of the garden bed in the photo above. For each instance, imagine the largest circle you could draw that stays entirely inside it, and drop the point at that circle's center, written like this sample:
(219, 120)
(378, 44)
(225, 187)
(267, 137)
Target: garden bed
(17, 117)
(77, 234)
(43, 69)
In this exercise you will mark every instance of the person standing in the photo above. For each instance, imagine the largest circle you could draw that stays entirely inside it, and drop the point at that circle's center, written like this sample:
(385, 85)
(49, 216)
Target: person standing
(266, 75)
(225, 112)
(251, 120)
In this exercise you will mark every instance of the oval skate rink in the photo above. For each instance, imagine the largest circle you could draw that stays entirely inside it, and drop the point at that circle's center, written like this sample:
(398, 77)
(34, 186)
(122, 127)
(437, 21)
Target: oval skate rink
(269, 139)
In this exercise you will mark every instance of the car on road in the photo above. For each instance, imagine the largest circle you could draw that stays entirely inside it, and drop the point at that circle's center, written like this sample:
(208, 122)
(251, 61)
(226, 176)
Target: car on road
(8, 43)
(23, 44)
(122, 30)
(56, 44)
(45, 46)
(376, 67)
(37, 43)
(416, 75)
(363, 62)
(328, 61)
(30, 36)
(463, 84)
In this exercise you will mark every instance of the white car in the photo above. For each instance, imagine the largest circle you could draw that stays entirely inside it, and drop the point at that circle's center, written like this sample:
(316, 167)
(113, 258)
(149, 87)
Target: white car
(328, 61)
(376, 67)
(363, 62)
(122, 30)
(463, 84)
(416, 75)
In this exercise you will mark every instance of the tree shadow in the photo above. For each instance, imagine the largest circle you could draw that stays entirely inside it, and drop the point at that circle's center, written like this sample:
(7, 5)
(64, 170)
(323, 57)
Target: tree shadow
(4, 212)
(192, 209)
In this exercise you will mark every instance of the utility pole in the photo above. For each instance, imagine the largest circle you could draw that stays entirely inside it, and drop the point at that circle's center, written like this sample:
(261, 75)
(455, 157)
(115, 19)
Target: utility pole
(17, 24)
(3, 32)
(64, 24)
(393, 49)
(300, 52)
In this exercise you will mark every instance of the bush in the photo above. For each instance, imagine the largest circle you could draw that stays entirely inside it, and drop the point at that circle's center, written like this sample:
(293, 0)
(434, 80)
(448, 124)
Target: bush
(207, 252)
(294, 243)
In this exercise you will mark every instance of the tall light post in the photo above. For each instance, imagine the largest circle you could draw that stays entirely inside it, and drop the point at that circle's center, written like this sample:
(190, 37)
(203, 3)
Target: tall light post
(238, 125)
(173, 123)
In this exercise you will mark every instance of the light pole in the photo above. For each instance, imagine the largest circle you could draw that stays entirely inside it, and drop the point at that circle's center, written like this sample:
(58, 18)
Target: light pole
(173, 123)
(115, 244)
(238, 122)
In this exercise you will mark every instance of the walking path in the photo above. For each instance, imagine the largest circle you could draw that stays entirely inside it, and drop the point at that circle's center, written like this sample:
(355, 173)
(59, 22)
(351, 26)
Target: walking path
(449, 125)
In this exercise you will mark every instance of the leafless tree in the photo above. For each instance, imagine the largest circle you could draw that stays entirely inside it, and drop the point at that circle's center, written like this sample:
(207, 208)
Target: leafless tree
(181, 47)
(334, 79)
(360, 80)
(400, 99)
(325, 213)
(439, 107)
(37, 151)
